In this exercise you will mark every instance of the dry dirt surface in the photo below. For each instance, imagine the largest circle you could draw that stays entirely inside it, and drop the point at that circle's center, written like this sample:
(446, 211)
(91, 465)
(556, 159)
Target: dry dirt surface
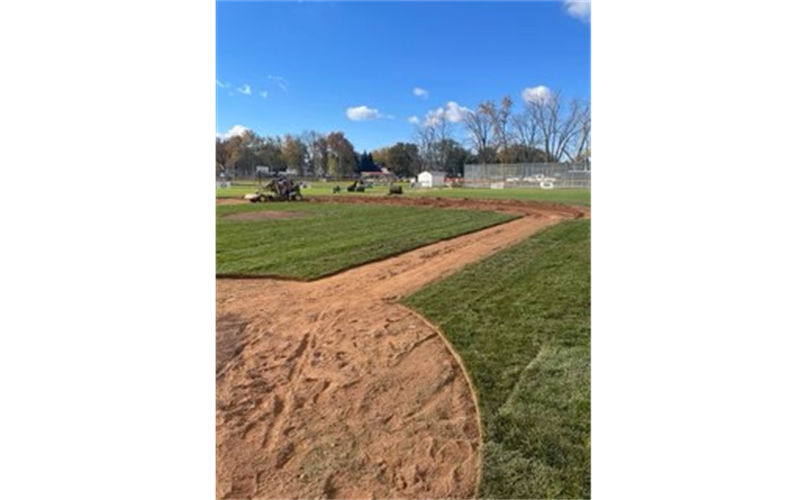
(508, 206)
(332, 389)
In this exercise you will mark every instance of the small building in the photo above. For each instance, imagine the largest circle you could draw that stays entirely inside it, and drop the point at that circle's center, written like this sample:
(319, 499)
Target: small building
(431, 179)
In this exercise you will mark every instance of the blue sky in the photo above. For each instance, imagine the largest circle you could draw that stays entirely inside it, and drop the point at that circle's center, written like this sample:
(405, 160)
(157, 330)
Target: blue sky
(354, 66)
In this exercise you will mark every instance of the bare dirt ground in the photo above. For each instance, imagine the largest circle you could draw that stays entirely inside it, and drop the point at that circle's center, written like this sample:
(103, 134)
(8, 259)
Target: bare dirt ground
(508, 206)
(331, 389)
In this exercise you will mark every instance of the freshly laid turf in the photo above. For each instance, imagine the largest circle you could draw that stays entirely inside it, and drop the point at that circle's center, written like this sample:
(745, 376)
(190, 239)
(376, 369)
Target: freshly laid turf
(521, 322)
(331, 237)
(565, 196)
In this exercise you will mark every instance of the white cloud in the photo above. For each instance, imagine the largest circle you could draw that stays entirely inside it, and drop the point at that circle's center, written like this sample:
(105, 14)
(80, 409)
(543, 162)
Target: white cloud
(236, 130)
(580, 9)
(245, 89)
(279, 81)
(361, 113)
(539, 94)
(413, 120)
(221, 84)
(456, 113)
(264, 94)
(453, 113)
(420, 92)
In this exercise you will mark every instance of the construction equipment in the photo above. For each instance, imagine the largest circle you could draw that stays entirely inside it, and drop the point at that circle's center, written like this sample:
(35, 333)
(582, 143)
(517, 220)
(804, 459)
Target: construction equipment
(357, 187)
(279, 189)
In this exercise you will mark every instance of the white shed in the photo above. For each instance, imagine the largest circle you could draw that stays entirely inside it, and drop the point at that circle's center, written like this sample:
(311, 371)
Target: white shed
(431, 179)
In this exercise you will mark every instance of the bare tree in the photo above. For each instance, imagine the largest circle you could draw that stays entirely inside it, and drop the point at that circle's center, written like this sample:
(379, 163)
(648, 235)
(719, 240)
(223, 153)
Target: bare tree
(318, 152)
(582, 142)
(426, 140)
(431, 137)
(479, 125)
(500, 121)
(526, 129)
(559, 126)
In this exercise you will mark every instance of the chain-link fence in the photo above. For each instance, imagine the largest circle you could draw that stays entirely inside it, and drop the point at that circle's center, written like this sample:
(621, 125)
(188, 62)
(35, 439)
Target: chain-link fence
(533, 175)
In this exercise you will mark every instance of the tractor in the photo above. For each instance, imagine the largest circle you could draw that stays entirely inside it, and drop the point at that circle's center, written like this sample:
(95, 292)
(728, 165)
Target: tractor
(279, 189)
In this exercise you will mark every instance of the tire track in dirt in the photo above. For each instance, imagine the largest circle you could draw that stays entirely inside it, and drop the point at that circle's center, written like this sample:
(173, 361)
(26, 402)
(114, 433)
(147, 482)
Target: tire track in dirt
(334, 390)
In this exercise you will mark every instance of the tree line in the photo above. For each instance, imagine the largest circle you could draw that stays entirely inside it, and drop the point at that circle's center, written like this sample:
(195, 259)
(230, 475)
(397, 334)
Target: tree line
(309, 154)
(547, 129)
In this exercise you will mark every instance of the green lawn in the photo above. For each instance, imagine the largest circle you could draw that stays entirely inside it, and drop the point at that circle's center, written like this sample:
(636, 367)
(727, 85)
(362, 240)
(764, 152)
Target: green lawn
(236, 191)
(332, 236)
(521, 322)
(565, 196)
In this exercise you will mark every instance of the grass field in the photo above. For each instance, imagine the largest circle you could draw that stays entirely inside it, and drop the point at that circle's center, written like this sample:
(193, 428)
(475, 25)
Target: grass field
(566, 196)
(331, 237)
(236, 191)
(521, 322)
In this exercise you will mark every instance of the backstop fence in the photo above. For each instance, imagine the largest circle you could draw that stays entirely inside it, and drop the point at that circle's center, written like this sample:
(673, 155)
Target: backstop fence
(532, 175)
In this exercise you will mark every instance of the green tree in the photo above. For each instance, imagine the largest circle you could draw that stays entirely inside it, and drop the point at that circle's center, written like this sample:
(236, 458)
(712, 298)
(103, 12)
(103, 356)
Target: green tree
(455, 156)
(342, 155)
(402, 159)
(293, 153)
(366, 163)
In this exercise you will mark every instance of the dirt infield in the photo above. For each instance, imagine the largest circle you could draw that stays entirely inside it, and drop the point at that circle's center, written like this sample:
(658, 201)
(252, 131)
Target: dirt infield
(508, 206)
(331, 389)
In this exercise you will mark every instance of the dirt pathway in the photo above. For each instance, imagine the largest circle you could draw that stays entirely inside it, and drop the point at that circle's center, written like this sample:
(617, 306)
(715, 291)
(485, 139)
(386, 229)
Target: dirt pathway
(331, 389)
